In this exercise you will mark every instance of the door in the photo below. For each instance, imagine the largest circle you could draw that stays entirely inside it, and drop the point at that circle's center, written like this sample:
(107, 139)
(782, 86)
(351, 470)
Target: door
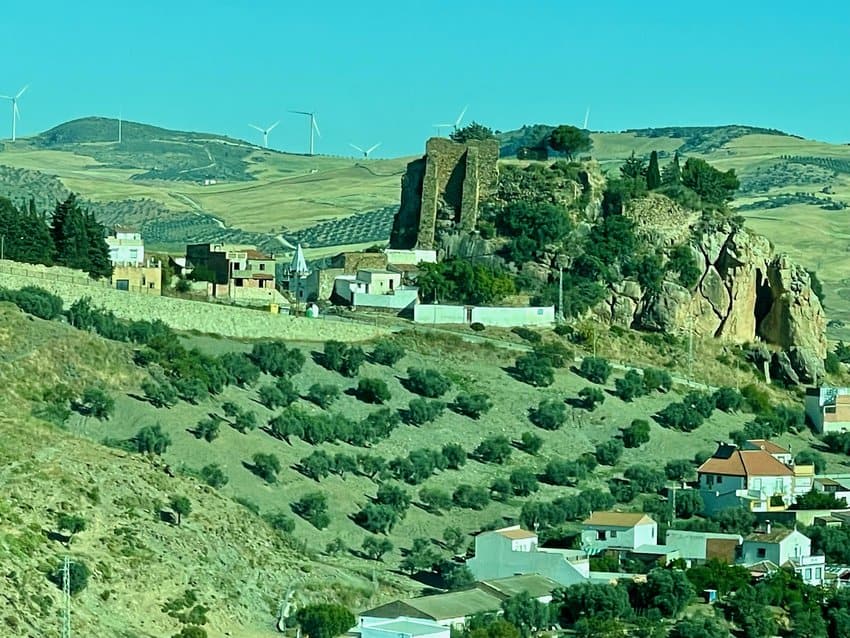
(122, 284)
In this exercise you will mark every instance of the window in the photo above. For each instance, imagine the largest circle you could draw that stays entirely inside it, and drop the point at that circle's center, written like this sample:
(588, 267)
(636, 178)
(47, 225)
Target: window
(818, 573)
(719, 479)
(761, 552)
(613, 533)
(262, 266)
(238, 282)
(808, 574)
(600, 535)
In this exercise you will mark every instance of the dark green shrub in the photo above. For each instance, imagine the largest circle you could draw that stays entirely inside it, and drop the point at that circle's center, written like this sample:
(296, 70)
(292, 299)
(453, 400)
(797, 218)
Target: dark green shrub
(590, 397)
(832, 364)
(78, 576)
(276, 359)
(556, 353)
(313, 508)
(387, 353)
(454, 454)
(550, 414)
(97, 403)
(636, 434)
(527, 334)
(495, 449)
(500, 489)
(427, 382)
(530, 443)
(534, 370)
(266, 466)
(564, 472)
(421, 411)
(811, 457)
(679, 469)
(523, 481)
(595, 369)
(472, 405)
(213, 476)
(323, 394)
(435, 499)
(35, 301)
(645, 478)
(631, 386)
(470, 497)
(325, 620)
(728, 399)
(152, 440)
(609, 452)
(207, 429)
(372, 390)
(280, 522)
(477, 326)
(375, 547)
(657, 379)
(378, 519)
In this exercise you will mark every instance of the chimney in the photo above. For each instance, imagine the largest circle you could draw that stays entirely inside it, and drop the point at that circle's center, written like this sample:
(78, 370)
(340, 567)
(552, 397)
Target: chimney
(767, 527)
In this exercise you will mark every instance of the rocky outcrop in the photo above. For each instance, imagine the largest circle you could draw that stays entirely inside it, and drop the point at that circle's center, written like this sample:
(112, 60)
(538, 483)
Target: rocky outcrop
(746, 293)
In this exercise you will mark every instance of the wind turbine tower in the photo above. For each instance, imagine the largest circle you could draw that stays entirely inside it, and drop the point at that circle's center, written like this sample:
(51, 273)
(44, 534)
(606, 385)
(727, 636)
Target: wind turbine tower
(314, 128)
(265, 132)
(586, 118)
(454, 125)
(119, 128)
(16, 113)
(367, 151)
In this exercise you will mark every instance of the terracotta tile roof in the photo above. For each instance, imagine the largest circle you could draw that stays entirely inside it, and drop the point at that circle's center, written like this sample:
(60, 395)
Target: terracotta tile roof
(617, 519)
(256, 254)
(774, 536)
(730, 461)
(768, 446)
(516, 534)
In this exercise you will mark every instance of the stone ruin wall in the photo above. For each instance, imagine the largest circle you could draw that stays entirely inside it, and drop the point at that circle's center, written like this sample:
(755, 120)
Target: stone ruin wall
(457, 175)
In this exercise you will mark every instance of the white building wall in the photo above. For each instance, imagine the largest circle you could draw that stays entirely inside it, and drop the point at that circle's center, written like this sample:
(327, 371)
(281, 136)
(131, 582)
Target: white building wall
(438, 313)
(125, 252)
(410, 257)
(509, 317)
(495, 558)
(620, 537)
(399, 300)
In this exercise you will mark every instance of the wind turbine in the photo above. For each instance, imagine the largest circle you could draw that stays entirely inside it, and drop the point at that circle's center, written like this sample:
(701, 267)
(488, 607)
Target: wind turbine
(16, 113)
(314, 128)
(367, 151)
(454, 126)
(586, 118)
(265, 132)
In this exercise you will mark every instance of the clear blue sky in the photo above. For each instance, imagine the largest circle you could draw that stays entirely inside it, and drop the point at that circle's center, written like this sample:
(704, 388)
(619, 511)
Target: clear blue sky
(386, 71)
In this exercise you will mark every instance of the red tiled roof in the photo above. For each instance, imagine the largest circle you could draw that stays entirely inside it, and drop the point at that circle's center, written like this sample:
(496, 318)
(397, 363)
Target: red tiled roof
(744, 463)
(768, 446)
(516, 534)
(617, 519)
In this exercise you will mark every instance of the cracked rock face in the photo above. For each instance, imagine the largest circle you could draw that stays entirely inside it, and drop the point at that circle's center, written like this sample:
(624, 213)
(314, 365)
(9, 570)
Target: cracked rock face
(745, 293)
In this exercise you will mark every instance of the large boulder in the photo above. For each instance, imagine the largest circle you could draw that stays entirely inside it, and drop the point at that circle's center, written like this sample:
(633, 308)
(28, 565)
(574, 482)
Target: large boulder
(666, 311)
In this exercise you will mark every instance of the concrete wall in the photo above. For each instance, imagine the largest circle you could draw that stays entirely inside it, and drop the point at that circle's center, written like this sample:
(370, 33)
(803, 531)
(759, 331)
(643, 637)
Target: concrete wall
(140, 279)
(630, 537)
(509, 317)
(439, 313)
(410, 257)
(182, 314)
(399, 300)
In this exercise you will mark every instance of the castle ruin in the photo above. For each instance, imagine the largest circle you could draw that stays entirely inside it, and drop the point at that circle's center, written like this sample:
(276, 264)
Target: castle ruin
(443, 190)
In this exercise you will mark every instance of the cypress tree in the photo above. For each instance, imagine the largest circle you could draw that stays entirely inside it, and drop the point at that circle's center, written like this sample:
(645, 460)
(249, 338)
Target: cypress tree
(10, 227)
(70, 236)
(653, 174)
(36, 244)
(673, 172)
(99, 263)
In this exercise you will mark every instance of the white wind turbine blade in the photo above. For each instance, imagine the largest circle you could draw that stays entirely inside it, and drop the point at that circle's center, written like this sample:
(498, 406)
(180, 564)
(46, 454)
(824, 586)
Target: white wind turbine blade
(586, 118)
(373, 148)
(254, 126)
(460, 117)
(316, 126)
(15, 110)
(6, 97)
(22, 91)
(272, 126)
(357, 147)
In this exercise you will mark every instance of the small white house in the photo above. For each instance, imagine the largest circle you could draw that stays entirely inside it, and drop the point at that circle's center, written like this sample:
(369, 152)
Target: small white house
(828, 409)
(126, 247)
(784, 547)
(372, 281)
(618, 530)
(402, 627)
(699, 547)
(513, 551)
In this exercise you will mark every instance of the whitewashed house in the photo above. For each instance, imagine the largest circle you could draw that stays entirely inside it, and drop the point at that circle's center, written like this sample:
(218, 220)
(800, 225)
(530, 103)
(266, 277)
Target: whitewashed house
(828, 409)
(785, 548)
(751, 478)
(618, 530)
(126, 247)
(402, 627)
(512, 551)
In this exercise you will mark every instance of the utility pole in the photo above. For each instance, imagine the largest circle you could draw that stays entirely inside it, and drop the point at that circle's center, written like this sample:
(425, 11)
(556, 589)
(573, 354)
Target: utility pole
(2, 246)
(66, 598)
(561, 292)
(691, 350)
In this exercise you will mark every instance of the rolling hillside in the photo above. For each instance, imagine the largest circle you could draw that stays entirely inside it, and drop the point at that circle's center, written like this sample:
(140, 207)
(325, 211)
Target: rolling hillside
(793, 190)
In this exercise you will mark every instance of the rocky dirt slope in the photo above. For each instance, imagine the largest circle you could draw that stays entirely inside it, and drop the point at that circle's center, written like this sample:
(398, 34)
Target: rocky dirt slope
(239, 567)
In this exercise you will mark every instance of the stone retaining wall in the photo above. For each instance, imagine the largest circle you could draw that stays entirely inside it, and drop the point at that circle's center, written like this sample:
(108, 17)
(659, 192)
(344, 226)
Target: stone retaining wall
(181, 314)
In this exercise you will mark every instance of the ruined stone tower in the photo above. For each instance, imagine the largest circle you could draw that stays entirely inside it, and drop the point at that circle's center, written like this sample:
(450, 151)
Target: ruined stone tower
(444, 188)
